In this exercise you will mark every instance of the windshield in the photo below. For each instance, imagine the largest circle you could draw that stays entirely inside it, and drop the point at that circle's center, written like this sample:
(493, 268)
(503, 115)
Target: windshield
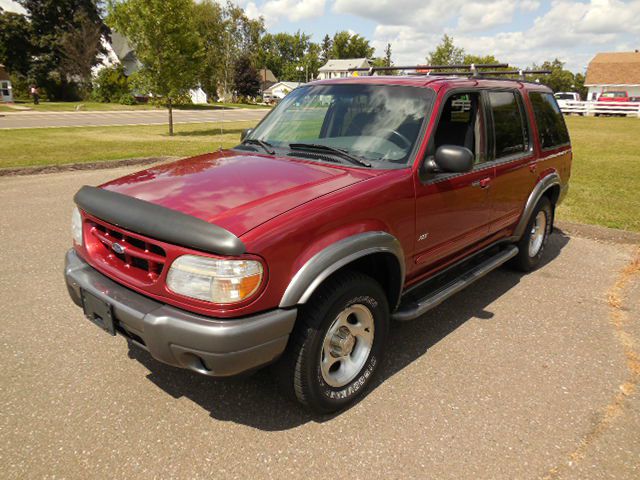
(376, 123)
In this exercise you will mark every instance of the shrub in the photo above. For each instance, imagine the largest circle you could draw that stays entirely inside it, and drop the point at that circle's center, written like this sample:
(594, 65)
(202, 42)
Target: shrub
(127, 99)
(110, 85)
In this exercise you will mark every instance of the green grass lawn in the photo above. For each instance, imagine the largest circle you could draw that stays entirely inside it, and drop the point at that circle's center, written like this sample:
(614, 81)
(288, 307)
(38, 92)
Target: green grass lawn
(605, 176)
(97, 106)
(605, 181)
(55, 146)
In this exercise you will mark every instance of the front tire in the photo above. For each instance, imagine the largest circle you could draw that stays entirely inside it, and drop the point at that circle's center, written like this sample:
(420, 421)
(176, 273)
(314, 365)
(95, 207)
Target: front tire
(337, 344)
(531, 245)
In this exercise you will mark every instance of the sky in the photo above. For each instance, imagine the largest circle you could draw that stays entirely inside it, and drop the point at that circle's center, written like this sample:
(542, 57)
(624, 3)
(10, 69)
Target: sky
(520, 32)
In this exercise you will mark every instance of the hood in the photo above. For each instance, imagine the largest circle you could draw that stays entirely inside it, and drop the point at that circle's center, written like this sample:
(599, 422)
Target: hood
(236, 191)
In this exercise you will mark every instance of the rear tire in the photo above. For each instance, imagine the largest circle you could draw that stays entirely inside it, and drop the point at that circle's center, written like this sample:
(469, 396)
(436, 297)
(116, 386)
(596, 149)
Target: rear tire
(337, 344)
(531, 245)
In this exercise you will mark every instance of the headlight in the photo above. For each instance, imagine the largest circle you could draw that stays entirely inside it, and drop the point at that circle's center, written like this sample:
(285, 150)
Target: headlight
(76, 226)
(212, 280)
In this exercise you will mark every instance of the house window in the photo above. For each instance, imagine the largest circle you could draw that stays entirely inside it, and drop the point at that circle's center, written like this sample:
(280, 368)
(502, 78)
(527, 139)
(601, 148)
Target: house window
(4, 86)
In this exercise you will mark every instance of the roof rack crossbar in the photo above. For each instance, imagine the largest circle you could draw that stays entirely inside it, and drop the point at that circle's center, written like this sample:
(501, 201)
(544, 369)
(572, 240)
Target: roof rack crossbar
(521, 73)
(429, 67)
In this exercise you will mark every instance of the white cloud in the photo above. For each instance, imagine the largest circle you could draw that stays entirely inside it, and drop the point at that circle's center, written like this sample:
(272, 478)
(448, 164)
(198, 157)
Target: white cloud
(430, 14)
(570, 30)
(529, 5)
(293, 10)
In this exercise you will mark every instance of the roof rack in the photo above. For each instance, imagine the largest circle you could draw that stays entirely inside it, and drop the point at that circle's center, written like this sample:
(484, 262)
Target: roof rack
(472, 70)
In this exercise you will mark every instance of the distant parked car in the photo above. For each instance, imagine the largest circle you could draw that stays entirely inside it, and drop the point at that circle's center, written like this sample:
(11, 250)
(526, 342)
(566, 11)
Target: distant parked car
(564, 99)
(617, 96)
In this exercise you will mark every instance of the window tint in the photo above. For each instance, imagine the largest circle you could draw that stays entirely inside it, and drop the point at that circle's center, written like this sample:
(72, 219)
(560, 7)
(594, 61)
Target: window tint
(509, 126)
(461, 124)
(552, 130)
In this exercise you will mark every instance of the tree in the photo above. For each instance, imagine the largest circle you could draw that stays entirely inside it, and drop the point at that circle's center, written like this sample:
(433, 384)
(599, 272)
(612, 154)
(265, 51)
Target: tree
(79, 47)
(346, 45)
(15, 42)
(387, 56)
(164, 36)
(283, 53)
(246, 79)
(325, 48)
(446, 53)
(479, 60)
(241, 37)
(560, 80)
(51, 21)
(578, 82)
(210, 23)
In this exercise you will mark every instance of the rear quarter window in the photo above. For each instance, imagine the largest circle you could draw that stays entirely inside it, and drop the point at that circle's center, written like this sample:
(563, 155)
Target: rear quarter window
(552, 131)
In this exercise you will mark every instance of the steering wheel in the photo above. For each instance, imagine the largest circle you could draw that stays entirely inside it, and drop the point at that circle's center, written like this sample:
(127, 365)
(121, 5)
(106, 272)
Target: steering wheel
(405, 142)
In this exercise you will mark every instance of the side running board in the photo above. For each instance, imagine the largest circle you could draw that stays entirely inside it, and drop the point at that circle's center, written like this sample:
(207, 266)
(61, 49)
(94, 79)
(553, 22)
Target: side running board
(434, 298)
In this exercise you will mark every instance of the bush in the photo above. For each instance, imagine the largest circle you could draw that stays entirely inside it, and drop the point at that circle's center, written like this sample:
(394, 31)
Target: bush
(110, 85)
(127, 99)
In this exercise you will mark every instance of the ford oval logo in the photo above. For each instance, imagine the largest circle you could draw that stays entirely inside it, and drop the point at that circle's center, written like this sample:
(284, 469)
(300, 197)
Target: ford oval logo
(119, 249)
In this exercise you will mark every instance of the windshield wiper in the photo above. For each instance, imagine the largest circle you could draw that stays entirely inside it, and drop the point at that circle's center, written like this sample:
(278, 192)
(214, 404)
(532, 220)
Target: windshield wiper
(266, 146)
(327, 148)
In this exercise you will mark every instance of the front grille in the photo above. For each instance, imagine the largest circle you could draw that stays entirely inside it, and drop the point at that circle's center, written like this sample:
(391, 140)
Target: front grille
(136, 257)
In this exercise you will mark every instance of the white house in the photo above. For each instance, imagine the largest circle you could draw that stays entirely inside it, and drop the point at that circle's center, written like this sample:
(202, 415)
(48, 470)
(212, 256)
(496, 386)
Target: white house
(340, 68)
(279, 90)
(6, 91)
(613, 71)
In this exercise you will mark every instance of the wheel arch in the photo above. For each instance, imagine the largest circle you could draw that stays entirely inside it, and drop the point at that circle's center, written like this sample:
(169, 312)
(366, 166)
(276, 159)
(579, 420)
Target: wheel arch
(549, 186)
(377, 254)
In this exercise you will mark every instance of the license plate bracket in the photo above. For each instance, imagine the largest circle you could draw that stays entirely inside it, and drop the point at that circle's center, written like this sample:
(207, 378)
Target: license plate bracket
(99, 312)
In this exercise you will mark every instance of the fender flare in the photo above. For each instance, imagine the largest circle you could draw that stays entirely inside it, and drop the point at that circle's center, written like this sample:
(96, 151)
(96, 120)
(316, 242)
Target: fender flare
(547, 182)
(335, 256)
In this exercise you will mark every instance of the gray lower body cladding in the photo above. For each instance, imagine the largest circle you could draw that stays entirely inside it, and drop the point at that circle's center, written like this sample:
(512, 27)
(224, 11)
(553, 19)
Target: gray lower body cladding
(214, 347)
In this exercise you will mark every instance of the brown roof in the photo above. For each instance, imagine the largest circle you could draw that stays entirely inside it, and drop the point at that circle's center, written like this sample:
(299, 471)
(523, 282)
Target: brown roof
(3, 73)
(616, 68)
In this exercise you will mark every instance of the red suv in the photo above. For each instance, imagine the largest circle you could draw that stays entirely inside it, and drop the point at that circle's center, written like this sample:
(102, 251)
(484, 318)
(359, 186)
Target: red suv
(353, 203)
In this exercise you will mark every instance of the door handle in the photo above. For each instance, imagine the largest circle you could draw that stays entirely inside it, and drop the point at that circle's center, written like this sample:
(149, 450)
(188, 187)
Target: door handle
(484, 183)
(533, 166)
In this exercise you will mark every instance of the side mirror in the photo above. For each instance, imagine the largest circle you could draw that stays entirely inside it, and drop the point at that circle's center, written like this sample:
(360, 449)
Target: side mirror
(244, 133)
(452, 159)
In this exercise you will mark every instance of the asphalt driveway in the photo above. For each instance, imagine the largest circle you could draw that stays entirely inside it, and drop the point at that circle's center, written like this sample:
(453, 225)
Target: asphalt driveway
(517, 377)
(120, 118)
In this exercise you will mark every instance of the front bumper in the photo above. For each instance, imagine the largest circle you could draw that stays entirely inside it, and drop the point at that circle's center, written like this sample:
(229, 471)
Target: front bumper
(214, 347)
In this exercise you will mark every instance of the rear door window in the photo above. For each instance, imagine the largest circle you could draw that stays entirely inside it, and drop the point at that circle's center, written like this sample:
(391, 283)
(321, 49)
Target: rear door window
(509, 126)
(552, 130)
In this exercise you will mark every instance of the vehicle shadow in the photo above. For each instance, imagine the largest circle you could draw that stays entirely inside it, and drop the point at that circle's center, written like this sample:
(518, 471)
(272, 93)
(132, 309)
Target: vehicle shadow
(255, 400)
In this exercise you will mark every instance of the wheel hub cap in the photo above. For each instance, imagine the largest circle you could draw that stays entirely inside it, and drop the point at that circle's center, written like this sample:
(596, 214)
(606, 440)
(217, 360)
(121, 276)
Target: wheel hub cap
(538, 232)
(347, 345)
(342, 342)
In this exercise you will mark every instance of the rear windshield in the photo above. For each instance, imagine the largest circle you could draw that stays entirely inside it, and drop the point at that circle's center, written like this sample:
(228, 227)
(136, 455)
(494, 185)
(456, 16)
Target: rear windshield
(565, 96)
(613, 95)
(378, 123)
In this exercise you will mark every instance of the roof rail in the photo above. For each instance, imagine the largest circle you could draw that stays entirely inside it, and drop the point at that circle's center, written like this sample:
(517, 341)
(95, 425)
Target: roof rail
(472, 70)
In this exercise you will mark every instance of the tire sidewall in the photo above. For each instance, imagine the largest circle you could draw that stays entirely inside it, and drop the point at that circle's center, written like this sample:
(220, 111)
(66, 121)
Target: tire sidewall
(543, 206)
(371, 296)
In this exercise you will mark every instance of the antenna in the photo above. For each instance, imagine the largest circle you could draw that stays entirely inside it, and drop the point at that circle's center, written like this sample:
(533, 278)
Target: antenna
(221, 124)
